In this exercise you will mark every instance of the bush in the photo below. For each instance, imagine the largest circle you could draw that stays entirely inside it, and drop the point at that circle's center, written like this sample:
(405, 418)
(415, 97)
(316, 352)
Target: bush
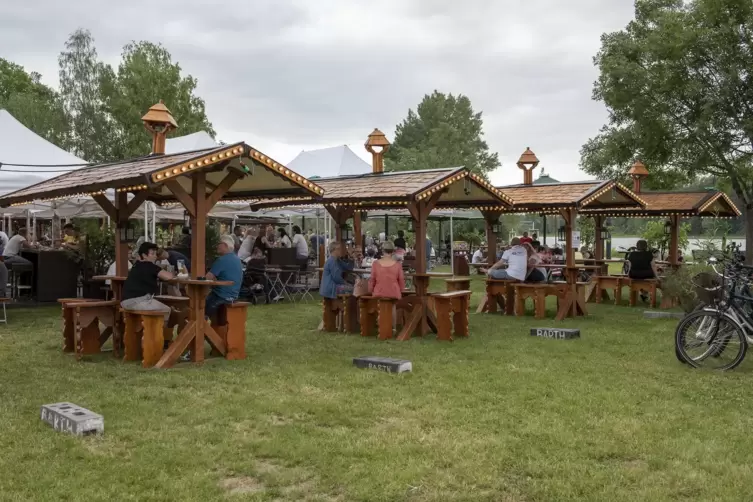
(682, 284)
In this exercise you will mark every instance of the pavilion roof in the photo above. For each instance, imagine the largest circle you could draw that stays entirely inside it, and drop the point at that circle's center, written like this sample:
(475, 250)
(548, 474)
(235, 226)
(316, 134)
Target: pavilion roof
(712, 203)
(259, 177)
(459, 187)
(550, 197)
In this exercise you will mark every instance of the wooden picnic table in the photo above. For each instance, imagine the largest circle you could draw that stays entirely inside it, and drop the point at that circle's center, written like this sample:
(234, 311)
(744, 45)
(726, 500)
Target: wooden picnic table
(116, 284)
(197, 327)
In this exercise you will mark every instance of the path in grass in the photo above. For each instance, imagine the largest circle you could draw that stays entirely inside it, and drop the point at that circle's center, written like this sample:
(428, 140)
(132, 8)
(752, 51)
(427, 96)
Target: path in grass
(499, 416)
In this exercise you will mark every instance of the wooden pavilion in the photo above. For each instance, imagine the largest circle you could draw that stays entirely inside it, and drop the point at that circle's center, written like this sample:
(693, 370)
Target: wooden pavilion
(197, 180)
(670, 205)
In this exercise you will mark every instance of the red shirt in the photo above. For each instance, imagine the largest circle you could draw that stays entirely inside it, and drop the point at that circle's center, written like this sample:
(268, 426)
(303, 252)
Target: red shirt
(523, 240)
(387, 281)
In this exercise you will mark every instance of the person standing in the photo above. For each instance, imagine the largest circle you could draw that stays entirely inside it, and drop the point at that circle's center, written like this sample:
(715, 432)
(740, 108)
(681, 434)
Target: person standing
(247, 246)
(237, 237)
(400, 241)
(428, 253)
(516, 259)
(3, 241)
(525, 239)
(301, 247)
(142, 284)
(227, 267)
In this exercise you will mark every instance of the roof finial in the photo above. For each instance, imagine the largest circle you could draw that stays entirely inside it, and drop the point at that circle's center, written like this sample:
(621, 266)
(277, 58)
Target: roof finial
(159, 121)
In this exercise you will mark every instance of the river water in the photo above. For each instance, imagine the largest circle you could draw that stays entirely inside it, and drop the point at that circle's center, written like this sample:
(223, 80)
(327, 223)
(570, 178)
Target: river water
(626, 242)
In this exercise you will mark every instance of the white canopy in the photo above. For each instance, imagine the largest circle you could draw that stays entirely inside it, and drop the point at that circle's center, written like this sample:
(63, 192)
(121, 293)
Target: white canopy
(329, 162)
(189, 142)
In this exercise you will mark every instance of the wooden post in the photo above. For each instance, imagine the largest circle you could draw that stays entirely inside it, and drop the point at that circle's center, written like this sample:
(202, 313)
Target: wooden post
(598, 242)
(491, 218)
(674, 240)
(198, 225)
(569, 216)
(357, 229)
(121, 248)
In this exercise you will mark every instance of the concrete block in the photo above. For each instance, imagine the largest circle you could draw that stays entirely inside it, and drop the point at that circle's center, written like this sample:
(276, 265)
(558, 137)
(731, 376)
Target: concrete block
(658, 314)
(73, 419)
(383, 364)
(556, 333)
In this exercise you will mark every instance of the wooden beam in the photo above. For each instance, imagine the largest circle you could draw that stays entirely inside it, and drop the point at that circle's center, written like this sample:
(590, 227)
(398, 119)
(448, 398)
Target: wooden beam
(107, 206)
(674, 240)
(198, 225)
(491, 218)
(220, 190)
(121, 248)
(133, 205)
(183, 197)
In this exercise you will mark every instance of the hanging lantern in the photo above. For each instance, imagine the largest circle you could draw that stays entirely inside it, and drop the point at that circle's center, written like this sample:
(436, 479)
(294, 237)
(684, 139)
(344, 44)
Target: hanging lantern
(668, 228)
(127, 232)
(411, 226)
(496, 228)
(561, 236)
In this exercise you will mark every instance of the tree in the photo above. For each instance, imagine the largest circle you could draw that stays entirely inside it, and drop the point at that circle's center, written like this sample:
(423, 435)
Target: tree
(679, 91)
(445, 132)
(81, 77)
(32, 103)
(653, 233)
(147, 74)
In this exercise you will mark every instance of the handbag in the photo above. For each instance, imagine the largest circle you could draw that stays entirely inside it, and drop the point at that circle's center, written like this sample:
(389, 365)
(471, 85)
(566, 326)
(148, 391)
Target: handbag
(361, 287)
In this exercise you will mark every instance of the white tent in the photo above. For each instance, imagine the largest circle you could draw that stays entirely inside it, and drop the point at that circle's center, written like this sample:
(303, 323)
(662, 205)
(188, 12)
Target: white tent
(189, 142)
(329, 162)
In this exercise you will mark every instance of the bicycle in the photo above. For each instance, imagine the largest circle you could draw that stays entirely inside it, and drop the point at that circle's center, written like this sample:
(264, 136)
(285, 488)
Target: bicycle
(718, 332)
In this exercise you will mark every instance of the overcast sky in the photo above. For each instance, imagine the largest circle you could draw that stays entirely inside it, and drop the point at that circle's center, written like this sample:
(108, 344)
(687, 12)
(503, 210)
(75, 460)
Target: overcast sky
(288, 75)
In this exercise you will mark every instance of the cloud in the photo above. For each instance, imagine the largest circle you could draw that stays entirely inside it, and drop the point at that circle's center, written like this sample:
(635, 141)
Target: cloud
(299, 74)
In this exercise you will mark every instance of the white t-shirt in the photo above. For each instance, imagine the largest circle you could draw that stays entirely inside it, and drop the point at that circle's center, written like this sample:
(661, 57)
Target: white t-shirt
(301, 246)
(111, 271)
(3, 241)
(247, 247)
(285, 242)
(14, 245)
(517, 262)
(478, 257)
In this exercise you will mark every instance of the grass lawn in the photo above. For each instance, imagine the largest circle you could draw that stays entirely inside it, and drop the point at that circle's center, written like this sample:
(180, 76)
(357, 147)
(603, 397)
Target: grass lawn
(500, 416)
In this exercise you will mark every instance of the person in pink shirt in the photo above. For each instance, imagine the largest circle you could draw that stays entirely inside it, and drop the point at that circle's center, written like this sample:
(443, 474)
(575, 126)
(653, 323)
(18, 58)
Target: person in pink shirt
(387, 279)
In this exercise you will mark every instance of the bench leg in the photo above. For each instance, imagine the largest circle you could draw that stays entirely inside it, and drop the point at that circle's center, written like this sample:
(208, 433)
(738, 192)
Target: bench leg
(520, 305)
(131, 338)
(235, 339)
(329, 316)
(618, 294)
(460, 318)
(367, 319)
(152, 341)
(509, 300)
(599, 292)
(540, 305)
(385, 320)
(633, 296)
(652, 295)
(444, 323)
(69, 331)
(90, 338)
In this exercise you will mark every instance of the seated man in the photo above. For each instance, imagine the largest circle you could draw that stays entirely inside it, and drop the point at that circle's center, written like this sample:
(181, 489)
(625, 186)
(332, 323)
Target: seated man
(227, 267)
(141, 284)
(333, 277)
(12, 251)
(642, 264)
(70, 237)
(516, 259)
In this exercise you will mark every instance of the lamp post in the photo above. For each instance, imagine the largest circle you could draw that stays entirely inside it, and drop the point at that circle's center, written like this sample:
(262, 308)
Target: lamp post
(377, 145)
(528, 162)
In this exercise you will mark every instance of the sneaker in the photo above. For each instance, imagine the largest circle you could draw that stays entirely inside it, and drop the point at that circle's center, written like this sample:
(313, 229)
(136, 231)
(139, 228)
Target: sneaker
(186, 358)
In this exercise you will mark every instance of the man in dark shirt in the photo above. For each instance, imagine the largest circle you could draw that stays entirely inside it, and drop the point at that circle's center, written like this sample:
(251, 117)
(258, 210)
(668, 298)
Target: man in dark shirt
(141, 284)
(173, 257)
(400, 241)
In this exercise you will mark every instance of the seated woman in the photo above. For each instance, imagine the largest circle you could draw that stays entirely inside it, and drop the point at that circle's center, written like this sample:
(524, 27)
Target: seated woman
(369, 259)
(387, 279)
(642, 263)
(535, 273)
(333, 278)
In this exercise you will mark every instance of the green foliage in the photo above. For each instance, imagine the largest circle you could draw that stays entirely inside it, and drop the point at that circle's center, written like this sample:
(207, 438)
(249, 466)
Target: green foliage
(676, 82)
(587, 229)
(145, 75)
(105, 107)
(445, 132)
(100, 244)
(681, 283)
(32, 103)
(212, 239)
(654, 234)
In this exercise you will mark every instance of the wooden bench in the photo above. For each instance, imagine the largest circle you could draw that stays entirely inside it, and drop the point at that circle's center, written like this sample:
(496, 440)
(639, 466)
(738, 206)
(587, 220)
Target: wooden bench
(636, 285)
(69, 324)
(231, 327)
(85, 316)
(340, 314)
(499, 292)
(144, 336)
(377, 311)
(458, 284)
(536, 291)
(452, 313)
(604, 283)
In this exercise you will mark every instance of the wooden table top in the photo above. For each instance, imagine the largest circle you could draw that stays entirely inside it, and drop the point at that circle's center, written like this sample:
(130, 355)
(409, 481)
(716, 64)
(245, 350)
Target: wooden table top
(201, 282)
(115, 278)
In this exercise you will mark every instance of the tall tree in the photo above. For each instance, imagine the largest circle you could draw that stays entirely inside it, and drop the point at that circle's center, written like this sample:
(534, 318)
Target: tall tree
(81, 77)
(443, 132)
(678, 85)
(32, 103)
(147, 74)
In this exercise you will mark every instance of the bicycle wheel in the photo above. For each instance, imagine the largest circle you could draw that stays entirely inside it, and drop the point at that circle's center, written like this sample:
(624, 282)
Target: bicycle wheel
(710, 339)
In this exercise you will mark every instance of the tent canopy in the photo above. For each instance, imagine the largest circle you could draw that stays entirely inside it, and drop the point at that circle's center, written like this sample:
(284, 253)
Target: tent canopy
(329, 162)
(190, 142)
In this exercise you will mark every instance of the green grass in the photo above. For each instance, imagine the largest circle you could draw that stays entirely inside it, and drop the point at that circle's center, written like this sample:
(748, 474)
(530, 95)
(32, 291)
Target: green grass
(500, 416)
